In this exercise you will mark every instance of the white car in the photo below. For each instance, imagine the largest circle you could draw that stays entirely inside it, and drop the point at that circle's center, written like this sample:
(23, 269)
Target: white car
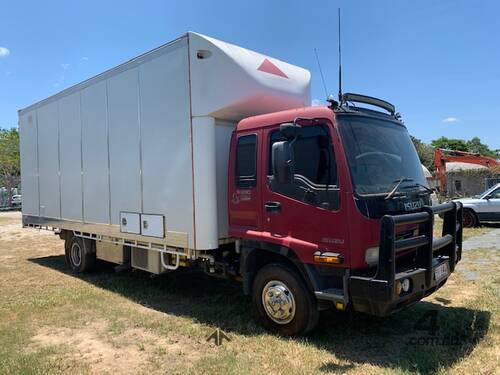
(16, 200)
(482, 207)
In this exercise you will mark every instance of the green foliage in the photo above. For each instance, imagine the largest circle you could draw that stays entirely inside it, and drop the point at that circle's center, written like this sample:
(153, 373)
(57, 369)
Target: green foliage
(450, 144)
(474, 145)
(10, 170)
(425, 153)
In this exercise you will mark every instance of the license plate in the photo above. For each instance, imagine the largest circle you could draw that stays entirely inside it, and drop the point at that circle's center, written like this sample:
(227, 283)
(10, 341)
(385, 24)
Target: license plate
(441, 272)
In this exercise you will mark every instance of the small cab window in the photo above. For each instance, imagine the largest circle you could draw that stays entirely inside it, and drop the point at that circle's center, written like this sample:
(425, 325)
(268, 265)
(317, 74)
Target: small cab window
(246, 165)
(315, 174)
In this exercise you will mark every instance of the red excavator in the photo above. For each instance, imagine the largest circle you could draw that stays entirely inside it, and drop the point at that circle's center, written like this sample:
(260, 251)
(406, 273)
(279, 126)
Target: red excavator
(443, 156)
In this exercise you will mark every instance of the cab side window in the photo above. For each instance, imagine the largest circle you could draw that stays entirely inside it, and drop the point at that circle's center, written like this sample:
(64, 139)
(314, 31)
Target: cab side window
(315, 176)
(246, 161)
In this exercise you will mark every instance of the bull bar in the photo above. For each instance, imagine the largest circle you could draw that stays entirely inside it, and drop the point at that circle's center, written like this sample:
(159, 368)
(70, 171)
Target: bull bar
(377, 295)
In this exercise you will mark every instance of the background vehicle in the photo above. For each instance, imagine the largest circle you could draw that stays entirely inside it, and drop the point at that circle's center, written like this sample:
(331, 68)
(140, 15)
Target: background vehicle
(484, 207)
(157, 164)
(16, 200)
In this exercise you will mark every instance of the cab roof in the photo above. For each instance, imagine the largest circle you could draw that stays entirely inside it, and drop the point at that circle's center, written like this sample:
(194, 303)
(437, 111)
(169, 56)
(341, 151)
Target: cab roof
(270, 119)
(263, 121)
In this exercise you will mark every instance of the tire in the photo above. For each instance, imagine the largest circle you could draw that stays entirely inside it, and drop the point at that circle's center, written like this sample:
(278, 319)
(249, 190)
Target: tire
(80, 254)
(297, 314)
(469, 219)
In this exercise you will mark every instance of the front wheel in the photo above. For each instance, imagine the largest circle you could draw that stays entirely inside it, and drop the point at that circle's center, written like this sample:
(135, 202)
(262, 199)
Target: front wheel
(283, 302)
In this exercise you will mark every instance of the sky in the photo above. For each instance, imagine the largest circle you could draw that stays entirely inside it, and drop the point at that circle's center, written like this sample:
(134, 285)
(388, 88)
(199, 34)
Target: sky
(437, 61)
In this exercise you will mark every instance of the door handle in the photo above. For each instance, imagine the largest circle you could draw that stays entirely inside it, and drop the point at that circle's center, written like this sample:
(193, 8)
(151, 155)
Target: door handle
(273, 207)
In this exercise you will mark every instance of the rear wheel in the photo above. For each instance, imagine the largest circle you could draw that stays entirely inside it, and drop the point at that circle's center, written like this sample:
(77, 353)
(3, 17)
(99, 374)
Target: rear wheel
(469, 219)
(80, 254)
(283, 302)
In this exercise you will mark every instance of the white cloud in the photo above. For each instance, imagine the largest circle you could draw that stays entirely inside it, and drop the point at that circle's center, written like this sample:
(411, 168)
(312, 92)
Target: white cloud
(83, 60)
(65, 66)
(448, 120)
(316, 102)
(4, 52)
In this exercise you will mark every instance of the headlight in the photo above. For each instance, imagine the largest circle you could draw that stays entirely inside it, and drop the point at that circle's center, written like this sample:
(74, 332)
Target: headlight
(405, 284)
(371, 256)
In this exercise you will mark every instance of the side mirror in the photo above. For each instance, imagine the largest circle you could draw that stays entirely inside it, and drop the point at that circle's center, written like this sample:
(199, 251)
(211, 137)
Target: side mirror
(282, 162)
(290, 130)
(488, 197)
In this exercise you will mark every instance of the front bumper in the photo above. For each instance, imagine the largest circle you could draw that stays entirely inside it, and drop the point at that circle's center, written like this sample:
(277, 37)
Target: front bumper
(435, 260)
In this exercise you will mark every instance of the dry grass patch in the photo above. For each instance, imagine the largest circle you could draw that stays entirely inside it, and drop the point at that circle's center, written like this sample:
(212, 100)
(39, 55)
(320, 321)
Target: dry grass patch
(130, 352)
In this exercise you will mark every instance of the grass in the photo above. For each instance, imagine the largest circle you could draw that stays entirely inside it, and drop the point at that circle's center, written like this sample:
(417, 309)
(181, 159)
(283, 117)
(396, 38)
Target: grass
(53, 321)
(467, 233)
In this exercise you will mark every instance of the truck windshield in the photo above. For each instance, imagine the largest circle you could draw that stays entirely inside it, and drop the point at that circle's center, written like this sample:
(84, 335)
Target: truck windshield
(379, 153)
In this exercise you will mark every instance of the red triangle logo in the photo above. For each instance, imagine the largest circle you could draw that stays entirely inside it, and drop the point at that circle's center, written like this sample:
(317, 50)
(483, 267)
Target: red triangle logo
(268, 67)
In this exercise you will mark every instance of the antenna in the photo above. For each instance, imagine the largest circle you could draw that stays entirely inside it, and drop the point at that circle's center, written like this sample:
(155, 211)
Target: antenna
(321, 72)
(340, 65)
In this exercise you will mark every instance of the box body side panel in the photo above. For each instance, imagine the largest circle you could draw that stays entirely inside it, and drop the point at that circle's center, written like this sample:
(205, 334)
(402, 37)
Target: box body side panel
(71, 157)
(95, 154)
(48, 160)
(166, 145)
(29, 162)
(124, 143)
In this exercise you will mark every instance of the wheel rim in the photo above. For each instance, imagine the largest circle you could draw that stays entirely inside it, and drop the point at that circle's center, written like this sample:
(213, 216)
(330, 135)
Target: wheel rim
(278, 302)
(76, 254)
(468, 219)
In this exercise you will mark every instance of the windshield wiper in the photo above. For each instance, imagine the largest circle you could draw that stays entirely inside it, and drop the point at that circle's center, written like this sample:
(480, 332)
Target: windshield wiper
(416, 184)
(396, 187)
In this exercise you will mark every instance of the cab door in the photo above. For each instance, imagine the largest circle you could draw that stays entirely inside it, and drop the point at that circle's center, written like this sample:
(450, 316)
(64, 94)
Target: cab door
(308, 213)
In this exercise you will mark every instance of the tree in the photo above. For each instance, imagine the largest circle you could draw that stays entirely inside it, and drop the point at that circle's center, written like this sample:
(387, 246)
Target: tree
(425, 152)
(475, 145)
(450, 144)
(10, 170)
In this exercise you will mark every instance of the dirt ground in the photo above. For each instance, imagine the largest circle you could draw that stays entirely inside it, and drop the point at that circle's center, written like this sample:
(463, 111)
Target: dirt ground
(53, 321)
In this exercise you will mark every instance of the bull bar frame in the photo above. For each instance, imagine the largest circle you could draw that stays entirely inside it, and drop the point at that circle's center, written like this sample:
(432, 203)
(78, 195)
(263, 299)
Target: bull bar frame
(377, 295)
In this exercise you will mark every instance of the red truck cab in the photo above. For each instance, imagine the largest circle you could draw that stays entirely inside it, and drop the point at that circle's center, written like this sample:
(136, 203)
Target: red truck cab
(330, 208)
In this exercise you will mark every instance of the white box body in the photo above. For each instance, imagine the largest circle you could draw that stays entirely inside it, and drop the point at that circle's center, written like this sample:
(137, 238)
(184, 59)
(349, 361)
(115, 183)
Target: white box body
(150, 137)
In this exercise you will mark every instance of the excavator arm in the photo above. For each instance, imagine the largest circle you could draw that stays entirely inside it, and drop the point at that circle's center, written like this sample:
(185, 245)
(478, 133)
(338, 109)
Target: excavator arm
(443, 156)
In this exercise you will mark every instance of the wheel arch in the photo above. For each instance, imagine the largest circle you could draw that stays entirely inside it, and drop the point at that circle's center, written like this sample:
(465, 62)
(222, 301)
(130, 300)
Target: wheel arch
(255, 255)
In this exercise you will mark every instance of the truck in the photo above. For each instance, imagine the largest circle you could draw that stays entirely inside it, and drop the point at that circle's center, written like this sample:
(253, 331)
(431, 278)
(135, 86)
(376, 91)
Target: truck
(203, 154)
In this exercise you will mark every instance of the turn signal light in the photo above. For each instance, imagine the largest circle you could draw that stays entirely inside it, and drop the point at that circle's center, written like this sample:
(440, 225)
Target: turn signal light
(402, 286)
(398, 287)
(328, 258)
